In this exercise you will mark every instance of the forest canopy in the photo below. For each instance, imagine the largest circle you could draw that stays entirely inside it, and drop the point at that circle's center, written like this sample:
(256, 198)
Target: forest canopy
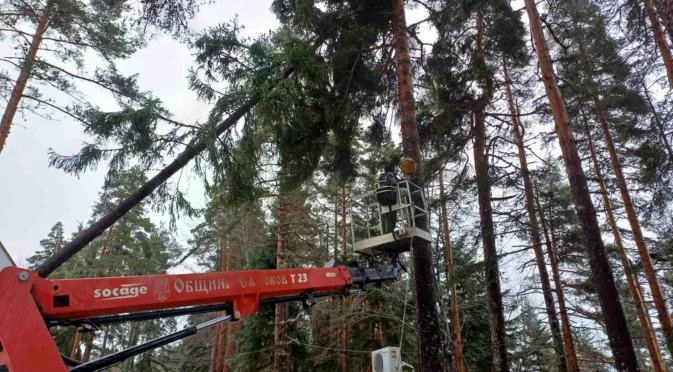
(540, 132)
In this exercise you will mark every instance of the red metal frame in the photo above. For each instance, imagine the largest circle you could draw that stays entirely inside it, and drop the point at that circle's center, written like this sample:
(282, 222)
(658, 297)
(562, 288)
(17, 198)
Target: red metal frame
(26, 300)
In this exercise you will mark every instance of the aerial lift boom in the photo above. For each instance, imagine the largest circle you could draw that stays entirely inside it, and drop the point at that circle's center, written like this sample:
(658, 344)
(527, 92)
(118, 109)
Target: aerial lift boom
(30, 304)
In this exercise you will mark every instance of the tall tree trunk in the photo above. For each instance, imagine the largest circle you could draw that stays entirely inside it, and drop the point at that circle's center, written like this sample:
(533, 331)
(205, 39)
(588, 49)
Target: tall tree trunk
(535, 231)
(665, 12)
(74, 351)
(105, 251)
(615, 321)
(88, 346)
(336, 229)
(638, 237)
(492, 271)
(495, 307)
(229, 329)
(222, 331)
(568, 343)
(427, 320)
(218, 348)
(669, 18)
(230, 352)
(344, 251)
(214, 354)
(106, 336)
(659, 38)
(24, 75)
(344, 227)
(658, 123)
(134, 337)
(456, 338)
(643, 316)
(281, 351)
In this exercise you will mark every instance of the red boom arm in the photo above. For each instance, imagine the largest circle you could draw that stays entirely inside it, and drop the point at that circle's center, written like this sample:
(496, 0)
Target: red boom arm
(26, 301)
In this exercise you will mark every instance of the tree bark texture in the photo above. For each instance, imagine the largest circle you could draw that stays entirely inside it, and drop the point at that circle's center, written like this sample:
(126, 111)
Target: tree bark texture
(74, 351)
(665, 12)
(134, 337)
(281, 351)
(88, 346)
(427, 320)
(492, 271)
(345, 365)
(659, 38)
(643, 316)
(344, 227)
(456, 337)
(568, 343)
(336, 229)
(547, 291)
(615, 321)
(222, 331)
(496, 314)
(638, 237)
(24, 75)
(231, 349)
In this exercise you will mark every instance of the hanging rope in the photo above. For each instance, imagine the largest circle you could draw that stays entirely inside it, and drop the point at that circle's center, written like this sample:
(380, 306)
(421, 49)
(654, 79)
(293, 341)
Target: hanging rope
(406, 297)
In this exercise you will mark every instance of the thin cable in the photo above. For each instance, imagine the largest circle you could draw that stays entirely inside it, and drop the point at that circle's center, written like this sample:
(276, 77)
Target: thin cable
(330, 348)
(406, 298)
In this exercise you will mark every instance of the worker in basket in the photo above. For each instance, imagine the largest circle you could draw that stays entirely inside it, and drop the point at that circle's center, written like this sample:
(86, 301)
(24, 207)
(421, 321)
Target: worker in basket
(386, 196)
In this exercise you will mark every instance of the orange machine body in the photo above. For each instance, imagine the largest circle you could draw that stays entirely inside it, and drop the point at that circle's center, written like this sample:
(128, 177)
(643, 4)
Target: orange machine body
(27, 301)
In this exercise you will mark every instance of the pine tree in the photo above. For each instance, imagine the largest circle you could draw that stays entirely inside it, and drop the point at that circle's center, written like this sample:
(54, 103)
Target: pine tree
(456, 337)
(469, 276)
(660, 40)
(646, 326)
(425, 291)
(568, 342)
(605, 80)
(63, 336)
(489, 43)
(277, 184)
(620, 339)
(64, 31)
(535, 234)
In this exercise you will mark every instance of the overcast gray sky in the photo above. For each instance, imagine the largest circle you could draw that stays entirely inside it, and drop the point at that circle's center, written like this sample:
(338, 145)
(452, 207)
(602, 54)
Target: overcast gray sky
(33, 196)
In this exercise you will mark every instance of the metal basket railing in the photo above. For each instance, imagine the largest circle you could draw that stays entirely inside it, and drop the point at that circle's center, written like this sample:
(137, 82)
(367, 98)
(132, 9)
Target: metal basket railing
(366, 213)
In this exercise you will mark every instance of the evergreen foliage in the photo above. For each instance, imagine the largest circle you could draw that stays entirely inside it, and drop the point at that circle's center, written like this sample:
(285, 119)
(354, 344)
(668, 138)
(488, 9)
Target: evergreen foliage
(283, 175)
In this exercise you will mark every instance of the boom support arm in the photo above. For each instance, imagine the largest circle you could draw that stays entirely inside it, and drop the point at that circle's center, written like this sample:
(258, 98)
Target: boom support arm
(27, 301)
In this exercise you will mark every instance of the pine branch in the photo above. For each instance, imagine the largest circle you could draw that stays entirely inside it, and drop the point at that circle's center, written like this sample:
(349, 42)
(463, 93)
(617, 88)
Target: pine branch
(32, 10)
(47, 103)
(23, 34)
(122, 94)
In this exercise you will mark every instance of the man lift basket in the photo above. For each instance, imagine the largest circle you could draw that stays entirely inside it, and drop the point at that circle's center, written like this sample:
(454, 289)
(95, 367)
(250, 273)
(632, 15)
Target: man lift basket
(383, 221)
